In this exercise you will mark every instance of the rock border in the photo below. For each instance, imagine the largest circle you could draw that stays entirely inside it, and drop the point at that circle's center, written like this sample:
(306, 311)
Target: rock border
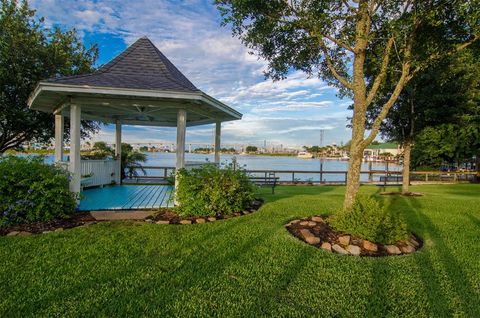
(169, 217)
(316, 231)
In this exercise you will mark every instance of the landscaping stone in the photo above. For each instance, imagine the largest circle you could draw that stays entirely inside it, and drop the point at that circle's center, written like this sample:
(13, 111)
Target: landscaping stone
(149, 220)
(237, 214)
(24, 233)
(60, 229)
(338, 249)
(245, 212)
(46, 232)
(13, 233)
(414, 242)
(344, 240)
(407, 249)
(211, 219)
(317, 219)
(354, 250)
(200, 221)
(369, 246)
(392, 249)
(162, 222)
(309, 237)
(311, 223)
(185, 222)
(326, 246)
(304, 223)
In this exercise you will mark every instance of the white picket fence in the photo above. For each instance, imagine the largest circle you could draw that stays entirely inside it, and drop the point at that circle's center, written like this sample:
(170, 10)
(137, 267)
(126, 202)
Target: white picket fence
(100, 172)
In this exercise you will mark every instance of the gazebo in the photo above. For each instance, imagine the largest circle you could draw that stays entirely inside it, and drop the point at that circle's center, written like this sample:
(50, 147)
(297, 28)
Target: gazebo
(138, 87)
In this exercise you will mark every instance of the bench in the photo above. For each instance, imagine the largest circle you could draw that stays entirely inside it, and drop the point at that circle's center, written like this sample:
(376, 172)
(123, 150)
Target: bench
(267, 181)
(390, 178)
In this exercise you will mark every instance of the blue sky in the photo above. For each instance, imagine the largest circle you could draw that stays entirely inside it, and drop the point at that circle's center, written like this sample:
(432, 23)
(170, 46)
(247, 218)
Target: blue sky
(289, 112)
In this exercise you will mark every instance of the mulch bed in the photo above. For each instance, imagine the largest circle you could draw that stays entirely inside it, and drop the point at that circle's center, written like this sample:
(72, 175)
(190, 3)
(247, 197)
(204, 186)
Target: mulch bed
(317, 232)
(168, 216)
(57, 225)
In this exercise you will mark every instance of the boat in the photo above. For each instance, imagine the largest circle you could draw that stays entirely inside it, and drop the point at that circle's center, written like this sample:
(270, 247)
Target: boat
(304, 155)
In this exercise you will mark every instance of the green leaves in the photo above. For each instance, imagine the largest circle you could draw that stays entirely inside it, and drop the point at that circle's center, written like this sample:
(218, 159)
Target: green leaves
(29, 52)
(31, 191)
(210, 191)
(370, 221)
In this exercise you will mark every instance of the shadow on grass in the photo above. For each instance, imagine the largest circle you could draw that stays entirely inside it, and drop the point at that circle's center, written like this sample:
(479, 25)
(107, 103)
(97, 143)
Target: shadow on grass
(473, 219)
(288, 192)
(445, 283)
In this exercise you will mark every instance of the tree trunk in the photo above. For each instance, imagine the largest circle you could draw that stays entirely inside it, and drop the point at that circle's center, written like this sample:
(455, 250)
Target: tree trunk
(353, 178)
(407, 151)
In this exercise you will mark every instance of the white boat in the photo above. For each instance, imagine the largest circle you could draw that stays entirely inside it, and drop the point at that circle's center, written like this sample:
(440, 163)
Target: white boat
(304, 155)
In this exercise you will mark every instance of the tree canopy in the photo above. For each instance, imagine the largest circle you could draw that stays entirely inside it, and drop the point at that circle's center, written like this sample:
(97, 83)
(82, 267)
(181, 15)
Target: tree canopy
(30, 52)
(336, 39)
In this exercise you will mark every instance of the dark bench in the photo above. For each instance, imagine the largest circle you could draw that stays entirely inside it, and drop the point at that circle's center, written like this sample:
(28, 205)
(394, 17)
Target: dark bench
(390, 178)
(270, 181)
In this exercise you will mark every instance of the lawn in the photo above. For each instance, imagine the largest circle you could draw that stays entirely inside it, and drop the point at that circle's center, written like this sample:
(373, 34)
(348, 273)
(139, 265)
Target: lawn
(250, 266)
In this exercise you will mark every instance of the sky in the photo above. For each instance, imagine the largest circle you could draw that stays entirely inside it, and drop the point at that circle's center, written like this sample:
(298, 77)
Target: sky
(289, 112)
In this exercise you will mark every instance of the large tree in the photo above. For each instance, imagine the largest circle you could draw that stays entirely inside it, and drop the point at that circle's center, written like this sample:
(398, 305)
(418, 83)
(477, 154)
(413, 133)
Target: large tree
(29, 52)
(447, 92)
(333, 39)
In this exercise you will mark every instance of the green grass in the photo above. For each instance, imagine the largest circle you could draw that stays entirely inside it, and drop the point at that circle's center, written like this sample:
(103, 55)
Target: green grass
(250, 266)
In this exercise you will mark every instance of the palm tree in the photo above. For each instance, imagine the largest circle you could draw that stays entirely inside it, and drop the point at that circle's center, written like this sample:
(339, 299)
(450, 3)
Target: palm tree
(131, 160)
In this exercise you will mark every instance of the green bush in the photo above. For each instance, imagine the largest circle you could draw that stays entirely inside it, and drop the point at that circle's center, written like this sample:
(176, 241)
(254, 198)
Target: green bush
(370, 221)
(31, 190)
(210, 191)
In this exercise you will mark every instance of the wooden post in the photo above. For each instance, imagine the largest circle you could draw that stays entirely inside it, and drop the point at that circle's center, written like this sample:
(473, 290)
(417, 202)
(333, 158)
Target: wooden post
(118, 151)
(75, 163)
(181, 131)
(370, 175)
(218, 128)
(59, 128)
(321, 172)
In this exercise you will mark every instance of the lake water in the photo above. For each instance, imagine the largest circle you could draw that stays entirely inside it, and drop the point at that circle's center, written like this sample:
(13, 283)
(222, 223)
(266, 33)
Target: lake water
(271, 163)
(268, 163)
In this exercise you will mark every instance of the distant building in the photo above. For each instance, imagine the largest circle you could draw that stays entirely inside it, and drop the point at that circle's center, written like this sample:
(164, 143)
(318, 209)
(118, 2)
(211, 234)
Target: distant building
(384, 151)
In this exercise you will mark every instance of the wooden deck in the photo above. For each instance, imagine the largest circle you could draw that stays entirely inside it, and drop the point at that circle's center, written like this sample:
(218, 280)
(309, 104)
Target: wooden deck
(126, 197)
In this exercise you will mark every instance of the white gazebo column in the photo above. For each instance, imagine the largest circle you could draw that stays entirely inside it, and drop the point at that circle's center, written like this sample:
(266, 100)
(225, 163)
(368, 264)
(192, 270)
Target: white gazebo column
(75, 164)
(181, 131)
(118, 151)
(59, 127)
(218, 128)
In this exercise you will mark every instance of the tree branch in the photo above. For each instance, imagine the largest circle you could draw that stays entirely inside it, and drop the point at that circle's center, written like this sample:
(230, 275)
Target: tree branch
(338, 42)
(330, 65)
(404, 78)
(383, 72)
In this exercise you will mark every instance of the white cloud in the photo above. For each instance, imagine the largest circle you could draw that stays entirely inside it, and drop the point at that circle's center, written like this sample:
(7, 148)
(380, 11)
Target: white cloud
(190, 35)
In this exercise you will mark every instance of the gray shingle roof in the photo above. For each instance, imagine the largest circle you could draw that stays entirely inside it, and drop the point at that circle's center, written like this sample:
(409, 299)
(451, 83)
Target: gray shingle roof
(140, 66)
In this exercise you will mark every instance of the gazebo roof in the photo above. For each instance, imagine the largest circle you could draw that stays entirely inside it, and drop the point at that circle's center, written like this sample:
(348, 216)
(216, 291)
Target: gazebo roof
(140, 86)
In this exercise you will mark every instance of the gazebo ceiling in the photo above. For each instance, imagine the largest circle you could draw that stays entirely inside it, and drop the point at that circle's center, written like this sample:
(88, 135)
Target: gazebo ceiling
(138, 87)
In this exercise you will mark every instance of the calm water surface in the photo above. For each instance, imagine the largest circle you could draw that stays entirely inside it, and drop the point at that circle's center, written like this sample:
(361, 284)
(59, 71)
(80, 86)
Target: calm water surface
(266, 163)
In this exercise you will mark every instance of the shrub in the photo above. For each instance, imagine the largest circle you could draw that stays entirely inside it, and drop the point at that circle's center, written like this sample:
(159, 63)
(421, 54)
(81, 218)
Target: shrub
(31, 190)
(210, 191)
(370, 221)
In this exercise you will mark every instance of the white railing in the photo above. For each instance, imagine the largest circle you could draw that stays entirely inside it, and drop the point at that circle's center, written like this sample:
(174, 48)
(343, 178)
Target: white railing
(99, 172)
